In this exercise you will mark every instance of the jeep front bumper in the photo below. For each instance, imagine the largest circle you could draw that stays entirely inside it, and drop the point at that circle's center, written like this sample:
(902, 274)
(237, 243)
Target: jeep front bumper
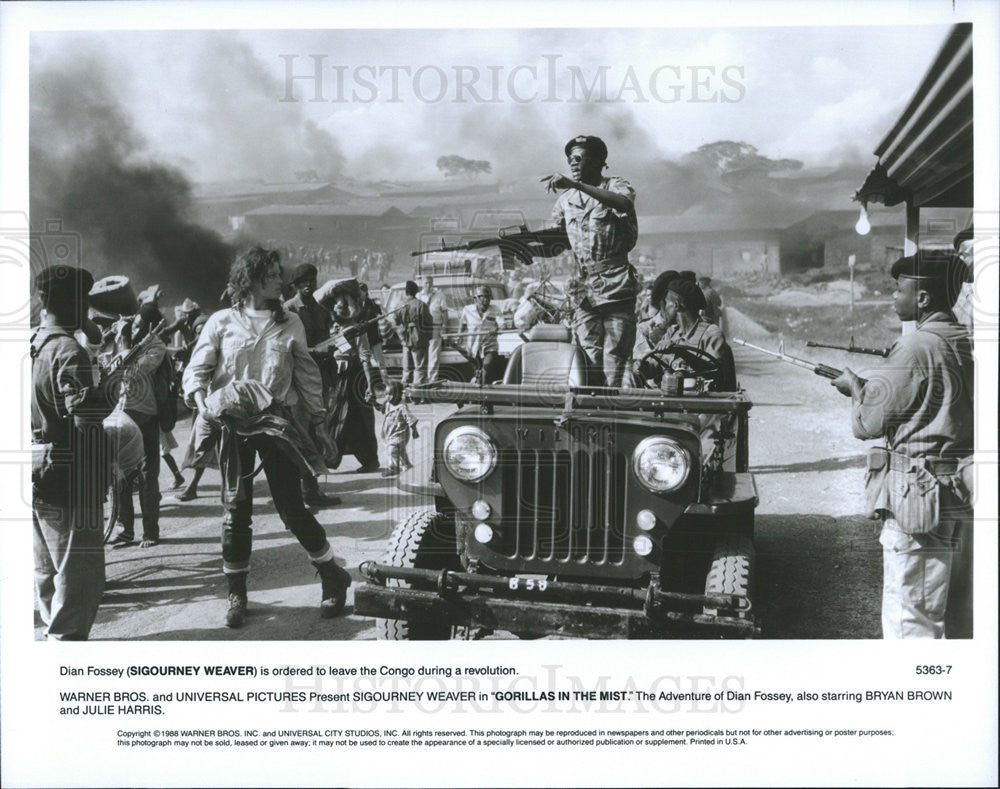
(527, 606)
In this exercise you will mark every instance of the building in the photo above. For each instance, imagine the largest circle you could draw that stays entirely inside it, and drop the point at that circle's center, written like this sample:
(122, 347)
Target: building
(926, 159)
(359, 225)
(716, 244)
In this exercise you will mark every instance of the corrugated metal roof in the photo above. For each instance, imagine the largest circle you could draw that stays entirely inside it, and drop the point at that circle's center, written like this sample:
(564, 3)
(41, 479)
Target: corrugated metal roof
(929, 151)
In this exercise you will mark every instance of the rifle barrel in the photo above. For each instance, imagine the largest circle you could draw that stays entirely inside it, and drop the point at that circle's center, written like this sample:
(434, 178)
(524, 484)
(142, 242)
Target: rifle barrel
(823, 370)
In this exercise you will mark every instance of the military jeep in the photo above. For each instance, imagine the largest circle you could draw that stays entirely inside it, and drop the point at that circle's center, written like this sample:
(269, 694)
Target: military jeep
(565, 508)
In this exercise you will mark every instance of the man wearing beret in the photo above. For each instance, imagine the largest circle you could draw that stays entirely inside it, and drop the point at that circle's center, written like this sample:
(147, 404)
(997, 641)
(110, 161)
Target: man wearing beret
(598, 214)
(68, 470)
(919, 485)
(317, 321)
(682, 305)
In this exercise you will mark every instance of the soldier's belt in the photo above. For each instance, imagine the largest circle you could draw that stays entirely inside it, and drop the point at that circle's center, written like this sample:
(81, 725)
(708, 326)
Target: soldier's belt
(897, 461)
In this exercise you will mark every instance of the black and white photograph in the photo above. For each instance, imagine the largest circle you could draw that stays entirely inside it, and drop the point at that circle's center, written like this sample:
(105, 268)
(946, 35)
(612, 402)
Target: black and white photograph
(531, 334)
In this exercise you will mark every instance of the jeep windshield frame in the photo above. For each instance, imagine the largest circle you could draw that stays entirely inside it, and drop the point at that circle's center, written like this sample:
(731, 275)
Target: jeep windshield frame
(581, 398)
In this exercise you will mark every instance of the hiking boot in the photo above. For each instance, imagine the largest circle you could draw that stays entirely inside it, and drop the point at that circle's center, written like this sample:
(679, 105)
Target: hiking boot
(237, 612)
(368, 468)
(391, 472)
(335, 581)
(187, 494)
(178, 482)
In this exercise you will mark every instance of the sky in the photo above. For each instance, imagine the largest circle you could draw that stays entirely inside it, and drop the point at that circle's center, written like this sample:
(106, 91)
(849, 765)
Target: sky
(217, 104)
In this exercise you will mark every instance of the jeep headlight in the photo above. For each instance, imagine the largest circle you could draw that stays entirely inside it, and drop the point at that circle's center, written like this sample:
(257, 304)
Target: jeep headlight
(661, 464)
(469, 454)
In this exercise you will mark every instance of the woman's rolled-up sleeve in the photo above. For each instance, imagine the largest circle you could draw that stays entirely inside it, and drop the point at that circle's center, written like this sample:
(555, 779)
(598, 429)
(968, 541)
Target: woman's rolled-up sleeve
(204, 359)
(306, 377)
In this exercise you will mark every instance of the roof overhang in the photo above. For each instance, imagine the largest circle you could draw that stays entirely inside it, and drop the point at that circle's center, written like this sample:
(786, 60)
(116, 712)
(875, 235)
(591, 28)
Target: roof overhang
(926, 159)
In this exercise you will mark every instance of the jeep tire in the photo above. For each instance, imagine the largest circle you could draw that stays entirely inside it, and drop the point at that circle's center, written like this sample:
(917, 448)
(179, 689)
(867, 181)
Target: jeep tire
(425, 539)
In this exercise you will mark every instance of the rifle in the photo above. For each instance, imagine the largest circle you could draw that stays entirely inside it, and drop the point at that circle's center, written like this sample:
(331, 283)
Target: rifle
(817, 367)
(335, 340)
(523, 244)
(852, 348)
(121, 362)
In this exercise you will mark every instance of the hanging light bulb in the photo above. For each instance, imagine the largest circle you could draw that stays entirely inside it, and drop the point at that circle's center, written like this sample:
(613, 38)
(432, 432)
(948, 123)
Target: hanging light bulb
(863, 227)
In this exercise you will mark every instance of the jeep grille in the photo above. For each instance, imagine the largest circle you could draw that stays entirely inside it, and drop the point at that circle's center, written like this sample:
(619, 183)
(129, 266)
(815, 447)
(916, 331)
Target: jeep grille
(566, 505)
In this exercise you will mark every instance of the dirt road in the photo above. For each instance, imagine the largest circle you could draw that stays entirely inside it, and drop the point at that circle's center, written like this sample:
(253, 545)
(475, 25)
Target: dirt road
(819, 562)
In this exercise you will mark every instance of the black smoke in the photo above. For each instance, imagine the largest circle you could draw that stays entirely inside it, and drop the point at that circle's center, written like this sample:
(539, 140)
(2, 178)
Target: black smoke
(90, 170)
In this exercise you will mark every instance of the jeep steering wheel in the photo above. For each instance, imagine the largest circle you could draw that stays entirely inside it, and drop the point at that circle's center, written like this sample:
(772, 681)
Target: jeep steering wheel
(703, 364)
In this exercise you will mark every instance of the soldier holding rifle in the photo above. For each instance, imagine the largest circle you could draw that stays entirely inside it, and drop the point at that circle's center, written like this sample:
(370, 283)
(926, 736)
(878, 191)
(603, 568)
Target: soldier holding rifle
(598, 214)
(921, 403)
(67, 460)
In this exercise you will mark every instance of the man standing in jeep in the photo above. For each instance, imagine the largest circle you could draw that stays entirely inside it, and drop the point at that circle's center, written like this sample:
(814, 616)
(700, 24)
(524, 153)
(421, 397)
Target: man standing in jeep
(598, 214)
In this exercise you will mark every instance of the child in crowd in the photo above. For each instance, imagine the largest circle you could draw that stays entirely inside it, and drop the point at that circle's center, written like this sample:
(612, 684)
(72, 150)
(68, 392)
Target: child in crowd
(398, 425)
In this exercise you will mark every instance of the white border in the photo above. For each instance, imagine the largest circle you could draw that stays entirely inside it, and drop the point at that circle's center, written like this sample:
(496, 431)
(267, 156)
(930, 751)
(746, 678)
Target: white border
(954, 749)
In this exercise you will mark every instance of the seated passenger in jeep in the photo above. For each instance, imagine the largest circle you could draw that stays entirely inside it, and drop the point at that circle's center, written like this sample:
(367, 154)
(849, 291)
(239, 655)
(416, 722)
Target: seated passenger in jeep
(691, 345)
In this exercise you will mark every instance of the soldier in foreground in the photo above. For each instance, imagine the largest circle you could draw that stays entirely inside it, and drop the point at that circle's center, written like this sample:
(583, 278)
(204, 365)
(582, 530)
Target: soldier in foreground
(67, 469)
(598, 214)
(921, 403)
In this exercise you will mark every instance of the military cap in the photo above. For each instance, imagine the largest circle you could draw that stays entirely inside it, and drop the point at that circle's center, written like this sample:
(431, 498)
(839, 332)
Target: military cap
(63, 283)
(594, 145)
(304, 271)
(690, 292)
(659, 288)
(189, 306)
(931, 265)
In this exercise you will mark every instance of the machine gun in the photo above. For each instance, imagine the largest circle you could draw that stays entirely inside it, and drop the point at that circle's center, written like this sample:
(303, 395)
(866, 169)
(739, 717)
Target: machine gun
(852, 348)
(339, 340)
(122, 361)
(521, 245)
(817, 367)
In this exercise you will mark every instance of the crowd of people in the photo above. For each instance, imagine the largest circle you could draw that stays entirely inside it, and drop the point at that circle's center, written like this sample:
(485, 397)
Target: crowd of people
(367, 265)
(292, 372)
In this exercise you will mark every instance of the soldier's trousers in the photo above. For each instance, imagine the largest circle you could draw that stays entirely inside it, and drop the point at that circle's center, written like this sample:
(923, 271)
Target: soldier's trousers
(414, 365)
(69, 568)
(927, 580)
(607, 335)
(284, 481)
(434, 355)
(149, 483)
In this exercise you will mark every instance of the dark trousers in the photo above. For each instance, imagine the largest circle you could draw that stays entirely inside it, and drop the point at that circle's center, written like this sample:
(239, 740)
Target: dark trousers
(283, 479)
(149, 483)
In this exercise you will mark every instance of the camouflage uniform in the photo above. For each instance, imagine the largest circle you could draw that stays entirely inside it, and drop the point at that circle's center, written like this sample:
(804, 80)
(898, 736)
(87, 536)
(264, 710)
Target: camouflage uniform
(601, 238)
